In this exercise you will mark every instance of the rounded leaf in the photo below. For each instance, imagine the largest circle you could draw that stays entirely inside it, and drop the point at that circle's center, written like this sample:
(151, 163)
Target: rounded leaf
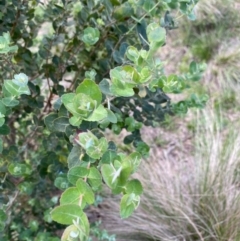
(90, 35)
(20, 79)
(134, 186)
(65, 214)
(77, 172)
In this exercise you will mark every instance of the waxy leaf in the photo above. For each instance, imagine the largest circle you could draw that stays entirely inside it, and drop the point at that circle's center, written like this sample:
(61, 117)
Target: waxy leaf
(98, 114)
(134, 186)
(61, 182)
(10, 101)
(70, 232)
(4, 129)
(65, 214)
(72, 196)
(18, 169)
(49, 120)
(94, 147)
(108, 172)
(74, 157)
(109, 157)
(90, 88)
(60, 124)
(135, 160)
(132, 54)
(2, 108)
(111, 117)
(129, 203)
(77, 172)
(75, 121)
(85, 191)
(90, 35)
(16, 90)
(2, 120)
(104, 86)
(94, 178)
(119, 88)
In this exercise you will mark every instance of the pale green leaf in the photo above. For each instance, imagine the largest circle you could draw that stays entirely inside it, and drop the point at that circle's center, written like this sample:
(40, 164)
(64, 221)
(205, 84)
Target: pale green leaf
(134, 186)
(65, 214)
(90, 88)
(77, 172)
(85, 191)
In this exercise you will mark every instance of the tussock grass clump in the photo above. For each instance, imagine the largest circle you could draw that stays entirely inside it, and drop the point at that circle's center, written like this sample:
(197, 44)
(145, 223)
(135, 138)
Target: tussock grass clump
(214, 11)
(198, 199)
(224, 69)
(216, 21)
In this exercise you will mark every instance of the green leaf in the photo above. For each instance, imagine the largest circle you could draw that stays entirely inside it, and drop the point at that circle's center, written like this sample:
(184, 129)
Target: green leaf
(98, 114)
(18, 169)
(85, 191)
(123, 11)
(70, 232)
(193, 68)
(119, 89)
(94, 147)
(4, 130)
(65, 214)
(1, 145)
(83, 105)
(90, 35)
(74, 157)
(2, 121)
(60, 124)
(61, 182)
(123, 80)
(49, 120)
(104, 86)
(129, 203)
(143, 148)
(111, 116)
(134, 186)
(3, 219)
(16, 90)
(156, 33)
(135, 159)
(132, 54)
(2, 108)
(75, 121)
(94, 178)
(145, 75)
(109, 157)
(98, 151)
(77, 172)
(108, 172)
(3, 216)
(72, 196)
(87, 139)
(67, 98)
(10, 101)
(90, 88)
(20, 80)
(91, 74)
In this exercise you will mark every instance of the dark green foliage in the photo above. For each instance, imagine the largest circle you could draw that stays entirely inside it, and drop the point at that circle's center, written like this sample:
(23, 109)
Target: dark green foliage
(69, 71)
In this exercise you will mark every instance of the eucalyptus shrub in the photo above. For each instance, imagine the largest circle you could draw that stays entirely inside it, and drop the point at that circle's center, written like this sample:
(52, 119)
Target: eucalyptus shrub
(69, 71)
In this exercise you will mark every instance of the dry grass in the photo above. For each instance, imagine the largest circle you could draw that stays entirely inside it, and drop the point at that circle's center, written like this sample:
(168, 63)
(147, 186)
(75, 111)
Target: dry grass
(224, 70)
(214, 11)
